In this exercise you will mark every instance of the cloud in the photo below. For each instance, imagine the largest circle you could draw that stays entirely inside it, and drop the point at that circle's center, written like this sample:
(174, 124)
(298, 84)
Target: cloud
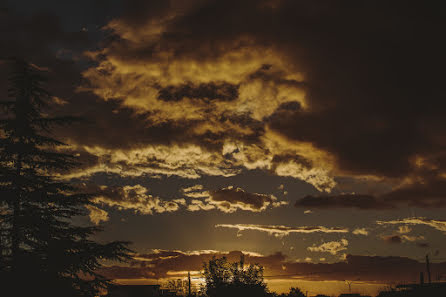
(427, 189)
(230, 199)
(192, 188)
(436, 224)
(197, 205)
(366, 268)
(195, 192)
(187, 162)
(170, 78)
(332, 247)
(221, 98)
(97, 215)
(158, 263)
(361, 231)
(161, 263)
(135, 198)
(364, 202)
(301, 92)
(138, 199)
(412, 238)
(404, 229)
(393, 239)
(190, 161)
(205, 91)
(423, 245)
(279, 231)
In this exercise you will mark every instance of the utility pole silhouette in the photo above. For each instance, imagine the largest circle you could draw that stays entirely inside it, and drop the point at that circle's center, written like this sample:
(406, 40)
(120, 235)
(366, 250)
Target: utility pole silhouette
(188, 279)
(428, 269)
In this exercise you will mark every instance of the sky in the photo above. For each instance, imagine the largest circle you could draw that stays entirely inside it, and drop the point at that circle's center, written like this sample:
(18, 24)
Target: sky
(306, 135)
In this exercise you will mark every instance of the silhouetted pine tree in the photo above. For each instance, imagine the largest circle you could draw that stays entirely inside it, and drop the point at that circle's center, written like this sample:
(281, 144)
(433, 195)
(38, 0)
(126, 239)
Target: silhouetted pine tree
(41, 248)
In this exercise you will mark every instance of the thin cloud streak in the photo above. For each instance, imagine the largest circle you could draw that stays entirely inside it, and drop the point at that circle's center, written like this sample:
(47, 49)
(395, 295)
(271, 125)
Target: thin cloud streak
(280, 231)
(439, 225)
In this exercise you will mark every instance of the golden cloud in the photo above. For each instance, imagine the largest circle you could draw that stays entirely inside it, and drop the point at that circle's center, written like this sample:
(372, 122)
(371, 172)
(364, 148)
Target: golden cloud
(279, 231)
(97, 215)
(227, 96)
(134, 198)
(231, 199)
(332, 247)
(436, 224)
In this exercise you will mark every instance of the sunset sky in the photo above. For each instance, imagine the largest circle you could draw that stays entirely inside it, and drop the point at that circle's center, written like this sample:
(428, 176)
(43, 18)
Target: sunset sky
(308, 135)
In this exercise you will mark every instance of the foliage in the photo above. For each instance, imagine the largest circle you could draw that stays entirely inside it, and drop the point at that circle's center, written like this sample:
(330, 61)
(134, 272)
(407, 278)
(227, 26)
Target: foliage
(294, 292)
(178, 286)
(40, 244)
(233, 279)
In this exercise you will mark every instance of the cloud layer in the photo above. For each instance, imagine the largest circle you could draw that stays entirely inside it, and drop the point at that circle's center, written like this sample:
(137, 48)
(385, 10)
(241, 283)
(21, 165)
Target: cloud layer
(136, 198)
(332, 247)
(304, 90)
(436, 224)
(283, 230)
(161, 263)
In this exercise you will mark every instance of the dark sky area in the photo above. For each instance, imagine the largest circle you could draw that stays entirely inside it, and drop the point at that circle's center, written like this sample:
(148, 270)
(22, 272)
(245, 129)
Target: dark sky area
(309, 135)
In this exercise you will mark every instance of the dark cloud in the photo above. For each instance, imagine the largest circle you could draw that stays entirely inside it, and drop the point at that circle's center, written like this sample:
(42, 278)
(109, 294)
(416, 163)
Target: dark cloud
(286, 158)
(429, 192)
(392, 239)
(229, 198)
(84, 159)
(366, 102)
(41, 39)
(369, 74)
(372, 88)
(361, 73)
(365, 202)
(109, 125)
(366, 268)
(424, 245)
(135, 198)
(160, 262)
(138, 12)
(205, 91)
(138, 199)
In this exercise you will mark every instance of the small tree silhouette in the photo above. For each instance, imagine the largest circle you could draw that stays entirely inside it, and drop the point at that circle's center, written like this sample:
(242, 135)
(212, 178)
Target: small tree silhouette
(233, 279)
(295, 292)
(41, 248)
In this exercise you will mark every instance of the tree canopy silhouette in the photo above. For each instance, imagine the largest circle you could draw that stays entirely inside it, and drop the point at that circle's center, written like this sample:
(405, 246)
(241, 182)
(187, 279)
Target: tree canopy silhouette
(41, 247)
(233, 279)
(294, 292)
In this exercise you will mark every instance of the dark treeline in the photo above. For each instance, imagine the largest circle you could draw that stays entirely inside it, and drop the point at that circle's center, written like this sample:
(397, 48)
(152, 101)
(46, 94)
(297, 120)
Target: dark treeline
(236, 280)
(42, 252)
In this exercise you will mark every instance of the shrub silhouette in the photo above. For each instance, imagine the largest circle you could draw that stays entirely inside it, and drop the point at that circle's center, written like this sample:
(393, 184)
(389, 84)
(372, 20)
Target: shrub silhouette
(233, 279)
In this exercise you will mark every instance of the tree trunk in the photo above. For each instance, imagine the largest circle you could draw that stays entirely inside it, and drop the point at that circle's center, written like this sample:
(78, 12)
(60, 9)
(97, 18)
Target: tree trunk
(15, 228)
